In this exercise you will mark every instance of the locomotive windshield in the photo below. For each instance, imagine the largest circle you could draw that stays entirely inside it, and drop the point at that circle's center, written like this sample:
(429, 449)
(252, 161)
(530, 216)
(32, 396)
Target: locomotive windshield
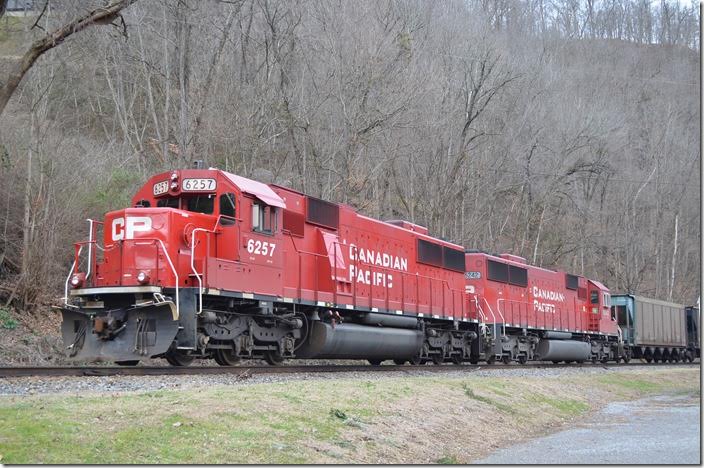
(196, 203)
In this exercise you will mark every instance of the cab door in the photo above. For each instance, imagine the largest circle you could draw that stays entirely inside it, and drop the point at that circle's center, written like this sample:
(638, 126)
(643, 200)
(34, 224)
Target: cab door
(261, 248)
(228, 228)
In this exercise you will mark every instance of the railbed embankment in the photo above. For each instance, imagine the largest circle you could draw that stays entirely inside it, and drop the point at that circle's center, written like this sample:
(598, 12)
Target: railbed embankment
(343, 418)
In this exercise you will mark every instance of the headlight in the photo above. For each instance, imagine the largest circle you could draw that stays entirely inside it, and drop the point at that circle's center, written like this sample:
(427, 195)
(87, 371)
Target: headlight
(174, 185)
(142, 277)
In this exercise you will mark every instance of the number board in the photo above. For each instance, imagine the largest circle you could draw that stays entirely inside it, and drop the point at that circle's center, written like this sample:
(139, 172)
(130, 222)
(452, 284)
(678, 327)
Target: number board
(161, 188)
(473, 275)
(198, 185)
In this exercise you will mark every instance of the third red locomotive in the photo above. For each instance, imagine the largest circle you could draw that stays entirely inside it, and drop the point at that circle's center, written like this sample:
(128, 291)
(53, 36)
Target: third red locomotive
(207, 264)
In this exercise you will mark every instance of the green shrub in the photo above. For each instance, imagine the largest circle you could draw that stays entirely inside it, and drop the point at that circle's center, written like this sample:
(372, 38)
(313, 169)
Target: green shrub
(6, 320)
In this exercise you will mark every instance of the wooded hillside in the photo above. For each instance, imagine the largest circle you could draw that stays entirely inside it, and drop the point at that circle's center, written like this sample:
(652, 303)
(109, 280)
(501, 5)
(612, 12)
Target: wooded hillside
(566, 132)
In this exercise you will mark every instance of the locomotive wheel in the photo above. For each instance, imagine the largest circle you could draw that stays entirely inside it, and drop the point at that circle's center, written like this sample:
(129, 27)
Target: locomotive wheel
(648, 359)
(127, 363)
(605, 359)
(473, 360)
(555, 362)
(226, 357)
(399, 362)
(438, 359)
(274, 358)
(626, 358)
(178, 359)
(522, 359)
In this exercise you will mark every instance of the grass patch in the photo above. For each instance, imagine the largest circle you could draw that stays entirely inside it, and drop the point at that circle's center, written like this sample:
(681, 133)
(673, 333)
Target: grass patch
(489, 401)
(630, 383)
(448, 460)
(498, 388)
(566, 406)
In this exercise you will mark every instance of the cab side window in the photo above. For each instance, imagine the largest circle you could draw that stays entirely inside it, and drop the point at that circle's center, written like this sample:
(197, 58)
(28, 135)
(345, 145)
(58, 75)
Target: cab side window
(227, 209)
(263, 218)
(594, 297)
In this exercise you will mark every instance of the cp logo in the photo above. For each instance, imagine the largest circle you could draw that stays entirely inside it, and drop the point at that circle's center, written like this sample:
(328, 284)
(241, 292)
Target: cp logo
(125, 229)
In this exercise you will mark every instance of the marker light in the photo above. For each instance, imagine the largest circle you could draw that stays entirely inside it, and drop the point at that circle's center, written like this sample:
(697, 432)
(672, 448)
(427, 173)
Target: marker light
(77, 280)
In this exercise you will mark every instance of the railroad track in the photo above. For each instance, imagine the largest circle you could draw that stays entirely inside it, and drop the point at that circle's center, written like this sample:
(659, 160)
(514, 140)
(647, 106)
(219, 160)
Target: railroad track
(6, 372)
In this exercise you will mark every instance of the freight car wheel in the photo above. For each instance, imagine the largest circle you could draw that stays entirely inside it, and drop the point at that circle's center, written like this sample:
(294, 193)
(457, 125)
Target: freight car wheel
(127, 363)
(522, 359)
(626, 358)
(491, 360)
(399, 362)
(274, 358)
(506, 359)
(178, 359)
(456, 359)
(416, 360)
(438, 359)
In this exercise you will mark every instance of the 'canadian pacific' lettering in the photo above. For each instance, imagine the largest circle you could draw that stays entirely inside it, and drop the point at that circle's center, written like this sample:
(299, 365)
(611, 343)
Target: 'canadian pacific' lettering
(372, 257)
(541, 295)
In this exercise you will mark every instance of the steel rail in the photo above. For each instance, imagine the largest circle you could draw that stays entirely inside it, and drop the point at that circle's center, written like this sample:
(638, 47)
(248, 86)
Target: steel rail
(84, 371)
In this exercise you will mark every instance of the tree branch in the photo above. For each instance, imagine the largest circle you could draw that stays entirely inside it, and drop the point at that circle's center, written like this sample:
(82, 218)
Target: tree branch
(99, 16)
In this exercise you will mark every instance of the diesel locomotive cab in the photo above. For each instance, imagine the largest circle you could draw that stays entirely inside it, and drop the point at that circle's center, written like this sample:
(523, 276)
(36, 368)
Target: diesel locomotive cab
(131, 287)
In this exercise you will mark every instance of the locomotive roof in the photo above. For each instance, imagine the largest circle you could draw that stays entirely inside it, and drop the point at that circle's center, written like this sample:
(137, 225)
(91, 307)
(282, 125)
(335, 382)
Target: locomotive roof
(513, 262)
(258, 189)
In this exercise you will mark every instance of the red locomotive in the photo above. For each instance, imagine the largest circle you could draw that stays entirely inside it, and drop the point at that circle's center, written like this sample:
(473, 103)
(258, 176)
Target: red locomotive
(207, 264)
(540, 314)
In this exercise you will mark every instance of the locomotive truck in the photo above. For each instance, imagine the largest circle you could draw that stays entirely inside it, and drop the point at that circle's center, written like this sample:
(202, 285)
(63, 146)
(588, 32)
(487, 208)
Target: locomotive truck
(206, 264)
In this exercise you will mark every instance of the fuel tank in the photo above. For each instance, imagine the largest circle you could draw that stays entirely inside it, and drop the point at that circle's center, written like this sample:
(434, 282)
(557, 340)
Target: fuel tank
(353, 341)
(563, 350)
(387, 320)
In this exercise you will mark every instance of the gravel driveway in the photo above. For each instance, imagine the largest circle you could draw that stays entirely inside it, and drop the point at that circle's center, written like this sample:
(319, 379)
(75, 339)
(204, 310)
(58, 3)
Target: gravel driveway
(659, 430)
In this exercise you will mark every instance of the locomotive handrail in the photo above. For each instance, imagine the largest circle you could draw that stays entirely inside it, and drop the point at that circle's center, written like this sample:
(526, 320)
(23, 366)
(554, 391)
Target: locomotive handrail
(193, 267)
(152, 239)
(68, 278)
(493, 317)
(90, 248)
(481, 311)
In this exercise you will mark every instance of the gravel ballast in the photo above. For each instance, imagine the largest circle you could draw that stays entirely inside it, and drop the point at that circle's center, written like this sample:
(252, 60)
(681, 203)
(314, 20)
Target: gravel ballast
(121, 384)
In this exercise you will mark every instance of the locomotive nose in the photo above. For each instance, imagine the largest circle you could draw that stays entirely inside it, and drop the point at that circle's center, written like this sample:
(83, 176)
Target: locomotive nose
(122, 335)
